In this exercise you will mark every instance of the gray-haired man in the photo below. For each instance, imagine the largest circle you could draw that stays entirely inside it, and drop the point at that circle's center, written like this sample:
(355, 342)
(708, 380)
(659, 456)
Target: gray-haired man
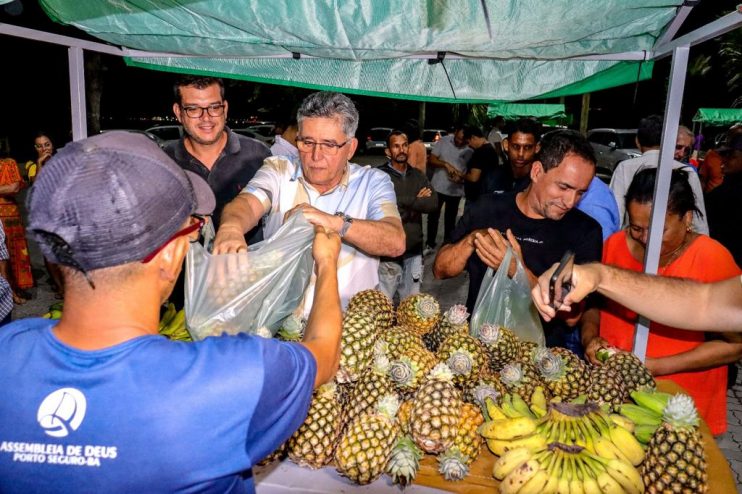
(357, 202)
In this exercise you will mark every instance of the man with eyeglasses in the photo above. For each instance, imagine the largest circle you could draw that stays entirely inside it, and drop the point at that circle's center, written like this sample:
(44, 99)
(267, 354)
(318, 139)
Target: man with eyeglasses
(648, 140)
(683, 144)
(357, 202)
(225, 159)
(99, 401)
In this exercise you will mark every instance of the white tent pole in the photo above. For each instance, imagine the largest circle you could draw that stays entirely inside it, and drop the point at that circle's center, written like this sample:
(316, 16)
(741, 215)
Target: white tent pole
(77, 93)
(711, 30)
(662, 183)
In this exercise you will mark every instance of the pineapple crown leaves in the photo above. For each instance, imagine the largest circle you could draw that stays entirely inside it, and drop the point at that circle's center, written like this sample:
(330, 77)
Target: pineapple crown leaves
(603, 354)
(452, 464)
(292, 327)
(403, 371)
(381, 363)
(512, 374)
(327, 390)
(457, 314)
(489, 334)
(404, 461)
(461, 362)
(483, 391)
(550, 366)
(441, 372)
(381, 346)
(680, 412)
(427, 306)
(264, 332)
(387, 406)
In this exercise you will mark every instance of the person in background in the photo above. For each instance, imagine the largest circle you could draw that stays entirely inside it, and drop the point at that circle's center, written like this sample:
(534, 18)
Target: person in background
(417, 155)
(540, 223)
(355, 201)
(44, 148)
(521, 147)
(684, 144)
(100, 389)
(448, 158)
(693, 360)
(710, 171)
(648, 140)
(724, 203)
(599, 203)
(480, 170)
(20, 275)
(495, 137)
(402, 275)
(6, 293)
(285, 143)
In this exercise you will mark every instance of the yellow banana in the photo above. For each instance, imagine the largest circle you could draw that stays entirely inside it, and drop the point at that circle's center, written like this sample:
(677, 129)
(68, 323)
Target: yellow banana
(609, 485)
(538, 398)
(56, 314)
(518, 477)
(508, 408)
(538, 411)
(607, 450)
(627, 444)
(576, 486)
(47, 315)
(177, 321)
(627, 475)
(167, 316)
(535, 485)
(521, 406)
(534, 442)
(622, 421)
(493, 410)
(508, 429)
(589, 484)
(509, 461)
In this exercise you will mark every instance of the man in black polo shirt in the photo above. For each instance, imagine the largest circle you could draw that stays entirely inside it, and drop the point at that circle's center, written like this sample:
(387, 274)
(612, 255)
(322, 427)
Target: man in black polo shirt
(540, 223)
(226, 160)
(480, 176)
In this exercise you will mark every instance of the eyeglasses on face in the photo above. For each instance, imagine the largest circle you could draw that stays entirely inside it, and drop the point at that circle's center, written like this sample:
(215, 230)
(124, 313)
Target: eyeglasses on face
(215, 110)
(195, 225)
(326, 148)
(43, 145)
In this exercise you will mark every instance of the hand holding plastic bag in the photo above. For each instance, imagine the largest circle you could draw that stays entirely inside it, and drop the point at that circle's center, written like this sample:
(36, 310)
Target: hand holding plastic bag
(249, 292)
(506, 302)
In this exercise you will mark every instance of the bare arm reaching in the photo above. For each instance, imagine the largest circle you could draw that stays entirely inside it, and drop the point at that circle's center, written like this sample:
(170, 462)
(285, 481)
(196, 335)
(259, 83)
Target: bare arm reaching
(238, 217)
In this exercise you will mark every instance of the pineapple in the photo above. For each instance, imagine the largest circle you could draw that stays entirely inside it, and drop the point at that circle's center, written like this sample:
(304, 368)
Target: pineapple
(292, 328)
(398, 341)
(501, 345)
(365, 446)
(404, 461)
(675, 459)
(356, 345)
(277, 455)
(435, 411)
(607, 388)
(520, 378)
(452, 322)
(630, 369)
(488, 386)
(313, 443)
(468, 440)
(368, 390)
(453, 464)
(409, 371)
(376, 304)
(403, 416)
(419, 313)
(466, 357)
(526, 350)
(564, 374)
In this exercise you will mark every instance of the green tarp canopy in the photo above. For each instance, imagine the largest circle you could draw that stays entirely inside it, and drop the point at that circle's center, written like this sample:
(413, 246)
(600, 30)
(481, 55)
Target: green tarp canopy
(549, 114)
(718, 116)
(434, 50)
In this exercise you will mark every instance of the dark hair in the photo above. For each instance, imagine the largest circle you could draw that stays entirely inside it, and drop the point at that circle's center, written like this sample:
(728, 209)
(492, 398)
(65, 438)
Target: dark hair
(556, 145)
(680, 200)
(199, 82)
(472, 131)
(649, 132)
(395, 132)
(412, 128)
(42, 133)
(527, 126)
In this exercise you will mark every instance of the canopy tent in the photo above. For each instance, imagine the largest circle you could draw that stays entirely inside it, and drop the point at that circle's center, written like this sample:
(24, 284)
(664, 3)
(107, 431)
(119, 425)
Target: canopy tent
(438, 50)
(434, 50)
(548, 114)
(718, 116)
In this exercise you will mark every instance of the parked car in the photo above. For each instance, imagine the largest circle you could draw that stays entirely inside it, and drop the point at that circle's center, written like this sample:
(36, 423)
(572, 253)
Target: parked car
(265, 130)
(249, 132)
(167, 132)
(149, 135)
(431, 136)
(612, 146)
(376, 139)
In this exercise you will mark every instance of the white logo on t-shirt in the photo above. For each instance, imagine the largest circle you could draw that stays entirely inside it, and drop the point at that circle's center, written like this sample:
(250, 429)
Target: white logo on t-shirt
(62, 412)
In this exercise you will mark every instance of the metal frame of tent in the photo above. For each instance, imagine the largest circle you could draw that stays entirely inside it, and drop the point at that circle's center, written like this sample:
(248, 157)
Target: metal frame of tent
(666, 45)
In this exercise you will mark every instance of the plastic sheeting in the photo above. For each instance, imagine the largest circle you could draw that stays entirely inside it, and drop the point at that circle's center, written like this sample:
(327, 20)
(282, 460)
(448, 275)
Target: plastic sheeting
(514, 49)
(718, 116)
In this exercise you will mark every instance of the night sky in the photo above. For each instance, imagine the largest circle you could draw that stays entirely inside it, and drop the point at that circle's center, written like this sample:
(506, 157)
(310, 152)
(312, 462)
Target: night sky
(35, 87)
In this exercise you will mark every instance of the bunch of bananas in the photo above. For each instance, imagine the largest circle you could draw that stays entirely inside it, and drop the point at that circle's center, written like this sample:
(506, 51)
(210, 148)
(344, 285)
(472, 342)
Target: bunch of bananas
(561, 468)
(173, 324)
(646, 413)
(54, 312)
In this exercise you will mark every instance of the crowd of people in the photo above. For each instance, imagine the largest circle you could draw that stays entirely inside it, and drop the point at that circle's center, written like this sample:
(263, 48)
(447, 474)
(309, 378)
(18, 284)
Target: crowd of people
(114, 214)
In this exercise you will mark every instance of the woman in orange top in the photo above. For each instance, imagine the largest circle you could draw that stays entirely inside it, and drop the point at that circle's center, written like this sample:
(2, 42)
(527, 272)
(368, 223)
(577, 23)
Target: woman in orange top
(695, 360)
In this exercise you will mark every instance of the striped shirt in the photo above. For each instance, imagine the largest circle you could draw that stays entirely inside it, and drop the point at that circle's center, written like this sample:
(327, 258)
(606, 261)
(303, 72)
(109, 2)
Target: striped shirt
(6, 295)
(363, 193)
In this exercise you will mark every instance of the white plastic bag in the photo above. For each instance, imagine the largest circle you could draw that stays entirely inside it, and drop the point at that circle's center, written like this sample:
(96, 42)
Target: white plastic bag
(249, 292)
(506, 302)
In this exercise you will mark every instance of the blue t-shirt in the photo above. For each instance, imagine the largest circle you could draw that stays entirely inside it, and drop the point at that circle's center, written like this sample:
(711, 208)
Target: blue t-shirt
(148, 415)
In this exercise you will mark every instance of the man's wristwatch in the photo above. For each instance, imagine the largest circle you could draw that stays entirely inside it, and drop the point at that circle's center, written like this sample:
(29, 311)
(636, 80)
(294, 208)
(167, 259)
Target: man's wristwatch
(347, 221)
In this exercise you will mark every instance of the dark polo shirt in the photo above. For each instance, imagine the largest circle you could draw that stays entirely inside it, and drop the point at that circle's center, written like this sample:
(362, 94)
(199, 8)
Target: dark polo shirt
(237, 164)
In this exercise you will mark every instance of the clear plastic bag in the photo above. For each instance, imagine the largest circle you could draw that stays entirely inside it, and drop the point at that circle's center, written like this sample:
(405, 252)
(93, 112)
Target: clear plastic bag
(249, 292)
(506, 302)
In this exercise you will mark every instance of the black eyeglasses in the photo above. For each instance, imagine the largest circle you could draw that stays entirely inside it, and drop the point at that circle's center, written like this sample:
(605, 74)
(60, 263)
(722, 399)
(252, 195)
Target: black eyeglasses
(215, 110)
(327, 148)
(196, 223)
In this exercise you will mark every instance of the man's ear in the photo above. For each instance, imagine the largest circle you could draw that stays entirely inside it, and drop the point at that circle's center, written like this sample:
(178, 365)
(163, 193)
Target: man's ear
(176, 111)
(353, 146)
(537, 171)
(505, 144)
(170, 258)
(538, 147)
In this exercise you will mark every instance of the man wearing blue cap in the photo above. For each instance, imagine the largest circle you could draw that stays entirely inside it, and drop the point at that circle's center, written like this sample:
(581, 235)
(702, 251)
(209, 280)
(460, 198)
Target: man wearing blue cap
(100, 402)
